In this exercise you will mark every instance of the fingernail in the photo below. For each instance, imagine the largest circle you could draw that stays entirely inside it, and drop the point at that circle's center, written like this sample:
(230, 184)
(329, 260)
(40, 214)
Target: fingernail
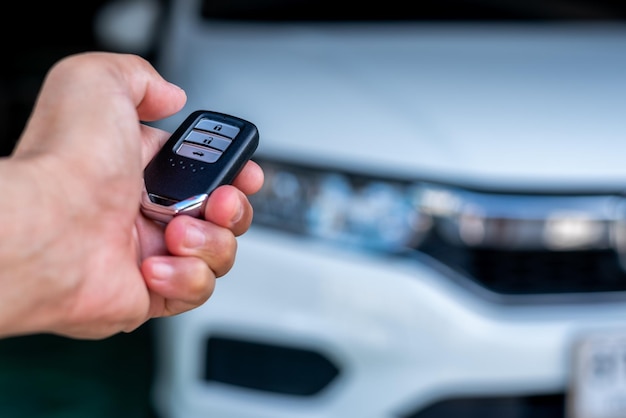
(238, 214)
(194, 238)
(176, 86)
(162, 270)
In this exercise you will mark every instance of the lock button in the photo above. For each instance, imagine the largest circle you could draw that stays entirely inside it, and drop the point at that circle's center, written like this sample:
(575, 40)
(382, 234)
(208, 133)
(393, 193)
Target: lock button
(219, 128)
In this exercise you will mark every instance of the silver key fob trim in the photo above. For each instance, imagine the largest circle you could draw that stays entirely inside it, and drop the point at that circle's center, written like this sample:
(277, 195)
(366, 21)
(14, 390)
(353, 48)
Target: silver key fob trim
(192, 206)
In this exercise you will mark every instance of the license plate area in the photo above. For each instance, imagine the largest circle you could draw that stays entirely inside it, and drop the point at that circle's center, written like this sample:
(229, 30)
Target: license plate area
(598, 380)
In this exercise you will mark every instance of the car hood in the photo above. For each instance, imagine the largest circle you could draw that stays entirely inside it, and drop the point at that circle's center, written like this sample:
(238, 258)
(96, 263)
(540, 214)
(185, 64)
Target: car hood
(513, 106)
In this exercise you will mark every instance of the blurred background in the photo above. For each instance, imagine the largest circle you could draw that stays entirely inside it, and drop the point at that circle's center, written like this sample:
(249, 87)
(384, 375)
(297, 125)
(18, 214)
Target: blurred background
(48, 376)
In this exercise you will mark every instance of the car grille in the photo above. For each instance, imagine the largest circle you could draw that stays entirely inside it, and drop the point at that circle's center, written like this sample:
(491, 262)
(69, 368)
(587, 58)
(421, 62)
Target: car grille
(531, 272)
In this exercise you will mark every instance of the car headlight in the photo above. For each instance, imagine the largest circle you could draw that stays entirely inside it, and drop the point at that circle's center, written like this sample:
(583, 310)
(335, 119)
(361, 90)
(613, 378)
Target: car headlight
(361, 211)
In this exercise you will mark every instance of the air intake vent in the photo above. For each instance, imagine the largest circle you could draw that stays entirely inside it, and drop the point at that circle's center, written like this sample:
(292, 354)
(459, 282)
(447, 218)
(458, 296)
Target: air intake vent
(267, 367)
(539, 406)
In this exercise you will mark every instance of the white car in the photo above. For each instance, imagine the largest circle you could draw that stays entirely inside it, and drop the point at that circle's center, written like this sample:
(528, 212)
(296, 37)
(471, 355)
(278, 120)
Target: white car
(442, 230)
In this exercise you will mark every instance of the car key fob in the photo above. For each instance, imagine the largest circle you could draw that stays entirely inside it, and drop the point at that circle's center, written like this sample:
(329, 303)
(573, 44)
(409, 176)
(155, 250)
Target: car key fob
(207, 150)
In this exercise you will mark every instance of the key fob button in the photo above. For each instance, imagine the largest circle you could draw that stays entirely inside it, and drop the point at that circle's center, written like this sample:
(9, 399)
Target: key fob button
(220, 128)
(202, 138)
(199, 153)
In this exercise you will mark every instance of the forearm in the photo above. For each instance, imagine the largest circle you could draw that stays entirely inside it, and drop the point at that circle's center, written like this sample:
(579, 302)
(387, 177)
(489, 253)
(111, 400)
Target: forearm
(29, 284)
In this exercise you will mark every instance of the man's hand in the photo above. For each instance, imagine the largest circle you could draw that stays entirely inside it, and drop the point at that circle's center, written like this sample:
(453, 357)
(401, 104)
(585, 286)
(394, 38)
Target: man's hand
(77, 257)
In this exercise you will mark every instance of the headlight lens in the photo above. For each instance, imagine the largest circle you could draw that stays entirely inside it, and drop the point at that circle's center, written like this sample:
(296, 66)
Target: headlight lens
(361, 211)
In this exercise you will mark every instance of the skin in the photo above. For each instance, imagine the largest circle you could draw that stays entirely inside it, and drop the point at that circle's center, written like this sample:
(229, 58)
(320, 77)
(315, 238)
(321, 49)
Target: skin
(77, 257)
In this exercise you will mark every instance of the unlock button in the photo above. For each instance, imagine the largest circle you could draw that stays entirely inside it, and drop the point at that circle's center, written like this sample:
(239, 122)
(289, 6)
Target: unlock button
(203, 138)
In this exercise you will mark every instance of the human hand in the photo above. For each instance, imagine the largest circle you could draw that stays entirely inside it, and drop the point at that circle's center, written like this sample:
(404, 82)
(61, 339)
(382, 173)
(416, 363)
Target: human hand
(77, 257)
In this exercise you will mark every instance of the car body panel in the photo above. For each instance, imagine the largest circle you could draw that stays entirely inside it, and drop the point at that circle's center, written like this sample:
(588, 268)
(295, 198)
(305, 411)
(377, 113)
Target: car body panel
(443, 102)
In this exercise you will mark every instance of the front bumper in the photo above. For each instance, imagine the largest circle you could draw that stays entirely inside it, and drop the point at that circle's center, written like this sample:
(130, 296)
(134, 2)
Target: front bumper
(402, 334)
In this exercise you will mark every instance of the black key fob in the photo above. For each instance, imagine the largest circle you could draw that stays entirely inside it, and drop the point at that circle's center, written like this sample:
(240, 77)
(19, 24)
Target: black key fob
(207, 150)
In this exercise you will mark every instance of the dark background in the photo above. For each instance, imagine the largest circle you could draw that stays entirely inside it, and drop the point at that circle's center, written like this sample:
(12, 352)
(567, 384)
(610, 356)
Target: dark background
(50, 376)
(34, 35)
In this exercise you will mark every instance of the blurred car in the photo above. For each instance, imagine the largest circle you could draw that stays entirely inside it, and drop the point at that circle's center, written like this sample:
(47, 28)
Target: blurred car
(442, 231)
